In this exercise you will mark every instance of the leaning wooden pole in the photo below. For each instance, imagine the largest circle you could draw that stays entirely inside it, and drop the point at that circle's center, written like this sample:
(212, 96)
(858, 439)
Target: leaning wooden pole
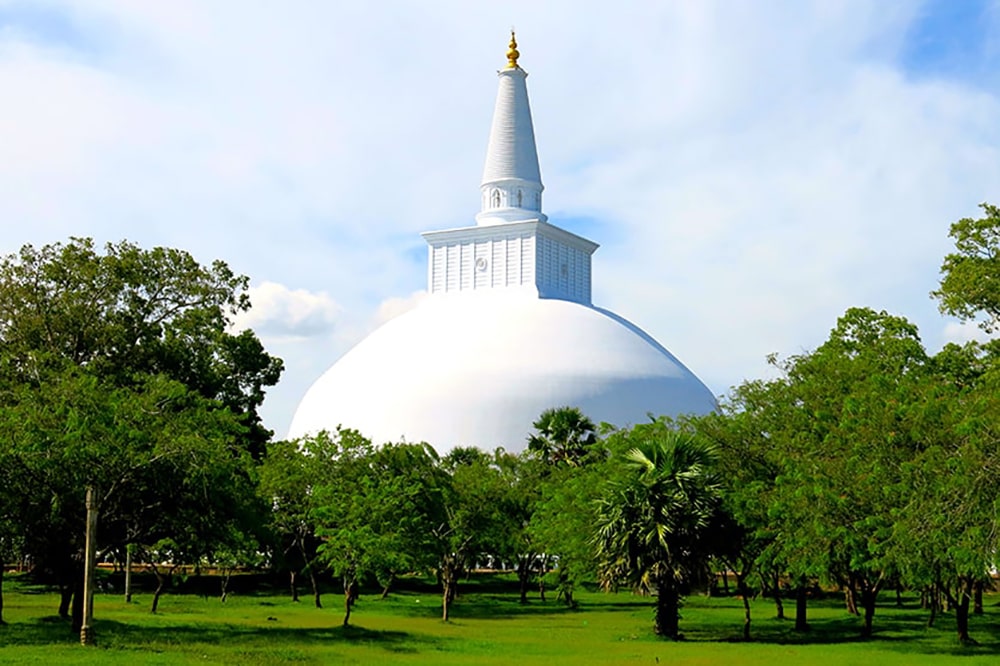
(128, 573)
(89, 566)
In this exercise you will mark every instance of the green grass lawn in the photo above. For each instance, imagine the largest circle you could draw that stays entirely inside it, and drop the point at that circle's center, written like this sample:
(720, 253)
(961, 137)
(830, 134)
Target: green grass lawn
(488, 627)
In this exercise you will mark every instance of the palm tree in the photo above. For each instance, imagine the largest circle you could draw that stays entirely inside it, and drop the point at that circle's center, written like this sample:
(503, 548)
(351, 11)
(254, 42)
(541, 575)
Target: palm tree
(652, 525)
(564, 435)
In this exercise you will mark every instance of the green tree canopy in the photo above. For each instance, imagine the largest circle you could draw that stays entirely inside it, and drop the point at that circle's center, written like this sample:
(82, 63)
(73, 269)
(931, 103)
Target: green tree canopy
(128, 312)
(970, 276)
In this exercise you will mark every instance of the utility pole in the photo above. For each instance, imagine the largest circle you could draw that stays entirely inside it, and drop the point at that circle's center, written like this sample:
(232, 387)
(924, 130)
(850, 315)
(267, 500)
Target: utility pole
(89, 565)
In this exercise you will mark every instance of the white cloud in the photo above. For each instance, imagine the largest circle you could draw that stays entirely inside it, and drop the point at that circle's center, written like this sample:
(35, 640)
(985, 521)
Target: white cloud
(755, 168)
(279, 313)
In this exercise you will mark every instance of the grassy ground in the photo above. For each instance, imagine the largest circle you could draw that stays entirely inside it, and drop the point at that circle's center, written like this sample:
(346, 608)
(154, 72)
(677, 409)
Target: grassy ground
(488, 627)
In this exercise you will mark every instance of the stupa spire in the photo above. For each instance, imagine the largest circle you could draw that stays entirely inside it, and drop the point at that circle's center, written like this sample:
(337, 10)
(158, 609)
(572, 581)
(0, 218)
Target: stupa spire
(512, 183)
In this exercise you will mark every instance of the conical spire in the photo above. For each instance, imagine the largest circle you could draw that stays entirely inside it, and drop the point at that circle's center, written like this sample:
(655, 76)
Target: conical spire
(512, 183)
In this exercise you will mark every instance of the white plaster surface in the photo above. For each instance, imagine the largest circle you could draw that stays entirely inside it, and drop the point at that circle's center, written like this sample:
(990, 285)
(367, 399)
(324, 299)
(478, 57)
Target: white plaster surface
(477, 369)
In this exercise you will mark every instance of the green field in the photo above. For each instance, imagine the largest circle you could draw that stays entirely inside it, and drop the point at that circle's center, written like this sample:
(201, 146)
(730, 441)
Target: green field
(488, 627)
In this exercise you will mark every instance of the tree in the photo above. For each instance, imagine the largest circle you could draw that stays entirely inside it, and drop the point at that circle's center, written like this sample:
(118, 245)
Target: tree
(411, 487)
(521, 478)
(652, 528)
(743, 535)
(375, 510)
(566, 463)
(131, 312)
(343, 498)
(970, 282)
(472, 519)
(289, 477)
(845, 430)
(946, 531)
(564, 435)
(563, 518)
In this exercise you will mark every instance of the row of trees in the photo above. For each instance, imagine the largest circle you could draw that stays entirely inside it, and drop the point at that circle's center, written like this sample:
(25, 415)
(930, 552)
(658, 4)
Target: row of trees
(869, 462)
(120, 380)
(865, 463)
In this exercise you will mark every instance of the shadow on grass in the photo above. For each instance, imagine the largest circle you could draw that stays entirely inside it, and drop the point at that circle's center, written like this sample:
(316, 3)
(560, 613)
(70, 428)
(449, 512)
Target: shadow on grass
(115, 634)
(900, 629)
(480, 606)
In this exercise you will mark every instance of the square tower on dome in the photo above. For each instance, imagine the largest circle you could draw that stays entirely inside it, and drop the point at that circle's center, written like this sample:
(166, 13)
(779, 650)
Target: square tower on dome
(537, 257)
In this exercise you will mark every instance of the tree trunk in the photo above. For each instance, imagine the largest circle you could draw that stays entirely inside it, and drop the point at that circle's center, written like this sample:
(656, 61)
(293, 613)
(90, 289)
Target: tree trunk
(350, 596)
(312, 574)
(160, 583)
(76, 608)
(801, 597)
(961, 606)
(868, 596)
(446, 597)
(449, 581)
(962, 620)
(666, 622)
(741, 589)
(65, 598)
(445, 603)
(2, 622)
(227, 574)
(315, 588)
(566, 590)
(524, 577)
(156, 594)
(292, 584)
(850, 598)
(778, 604)
(388, 586)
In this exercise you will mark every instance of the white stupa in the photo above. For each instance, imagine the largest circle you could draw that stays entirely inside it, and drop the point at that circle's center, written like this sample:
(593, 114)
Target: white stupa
(507, 331)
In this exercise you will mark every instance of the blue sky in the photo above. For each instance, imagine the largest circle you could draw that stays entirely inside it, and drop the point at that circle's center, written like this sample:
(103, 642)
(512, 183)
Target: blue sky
(954, 39)
(750, 169)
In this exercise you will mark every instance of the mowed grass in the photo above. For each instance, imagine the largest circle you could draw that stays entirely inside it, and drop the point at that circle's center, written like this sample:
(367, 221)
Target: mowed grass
(488, 626)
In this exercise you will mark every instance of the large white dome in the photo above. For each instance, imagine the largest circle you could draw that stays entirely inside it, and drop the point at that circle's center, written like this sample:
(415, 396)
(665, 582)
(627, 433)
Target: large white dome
(477, 369)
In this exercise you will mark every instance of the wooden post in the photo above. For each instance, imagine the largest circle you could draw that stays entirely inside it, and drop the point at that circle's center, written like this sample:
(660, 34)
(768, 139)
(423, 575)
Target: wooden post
(128, 573)
(89, 565)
